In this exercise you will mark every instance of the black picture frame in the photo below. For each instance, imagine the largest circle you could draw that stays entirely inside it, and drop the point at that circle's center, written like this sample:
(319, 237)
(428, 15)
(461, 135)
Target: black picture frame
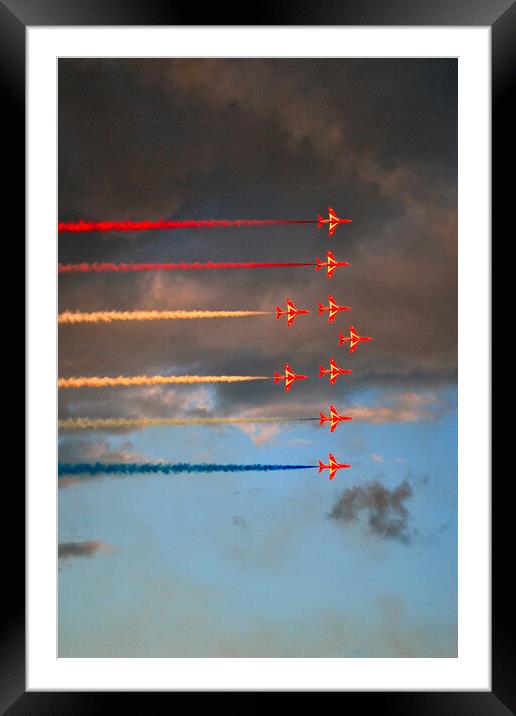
(15, 17)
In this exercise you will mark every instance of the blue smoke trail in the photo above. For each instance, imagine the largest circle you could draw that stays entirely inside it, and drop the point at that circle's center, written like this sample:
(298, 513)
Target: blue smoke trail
(166, 468)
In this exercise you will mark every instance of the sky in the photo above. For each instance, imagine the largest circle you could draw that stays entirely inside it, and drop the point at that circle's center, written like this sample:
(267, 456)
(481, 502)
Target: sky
(263, 564)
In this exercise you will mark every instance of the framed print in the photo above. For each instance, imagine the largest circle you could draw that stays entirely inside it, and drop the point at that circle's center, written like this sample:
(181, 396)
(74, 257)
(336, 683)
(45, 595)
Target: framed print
(258, 356)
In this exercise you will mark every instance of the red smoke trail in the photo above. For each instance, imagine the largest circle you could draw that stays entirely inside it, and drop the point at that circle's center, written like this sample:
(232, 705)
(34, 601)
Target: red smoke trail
(85, 226)
(107, 267)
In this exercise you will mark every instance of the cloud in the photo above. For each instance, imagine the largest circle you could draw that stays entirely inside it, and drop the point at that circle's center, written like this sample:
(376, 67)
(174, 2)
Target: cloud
(404, 407)
(219, 83)
(386, 407)
(82, 549)
(230, 138)
(260, 434)
(239, 522)
(73, 449)
(163, 402)
(384, 510)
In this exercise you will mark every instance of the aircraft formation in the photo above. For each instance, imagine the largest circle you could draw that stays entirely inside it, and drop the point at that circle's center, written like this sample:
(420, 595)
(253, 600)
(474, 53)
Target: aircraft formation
(332, 309)
(287, 376)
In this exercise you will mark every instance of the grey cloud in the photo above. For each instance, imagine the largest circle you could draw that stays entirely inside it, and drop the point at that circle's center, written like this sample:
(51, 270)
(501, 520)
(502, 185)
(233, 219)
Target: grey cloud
(82, 549)
(239, 522)
(73, 449)
(384, 510)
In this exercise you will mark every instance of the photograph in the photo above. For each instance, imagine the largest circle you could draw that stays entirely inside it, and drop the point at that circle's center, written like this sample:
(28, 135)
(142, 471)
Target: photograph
(257, 357)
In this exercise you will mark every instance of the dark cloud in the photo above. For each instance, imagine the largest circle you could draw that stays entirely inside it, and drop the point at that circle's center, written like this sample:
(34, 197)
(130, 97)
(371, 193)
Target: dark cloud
(260, 138)
(73, 449)
(82, 549)
(383, 509)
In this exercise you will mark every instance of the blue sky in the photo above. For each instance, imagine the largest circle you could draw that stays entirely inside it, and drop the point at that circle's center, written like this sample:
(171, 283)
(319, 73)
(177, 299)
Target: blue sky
(255, 557)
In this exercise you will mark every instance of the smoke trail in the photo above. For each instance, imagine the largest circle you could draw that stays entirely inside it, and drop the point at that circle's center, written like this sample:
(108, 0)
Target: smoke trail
(110, 316)
(196, 266)
(111, 423)
(165, 468)
(96, 382)
(87, 226)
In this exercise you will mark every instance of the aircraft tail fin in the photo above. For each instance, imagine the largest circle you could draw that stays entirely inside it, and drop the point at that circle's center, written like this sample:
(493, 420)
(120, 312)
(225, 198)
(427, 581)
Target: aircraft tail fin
(277, 377)
(321, 466)
(321, 418)
(322, 371)
(321, 309)
(279, 312)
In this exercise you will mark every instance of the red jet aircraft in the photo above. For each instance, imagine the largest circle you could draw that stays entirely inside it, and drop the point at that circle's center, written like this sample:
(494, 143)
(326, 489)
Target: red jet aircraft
(291, 312)
(333, 466)
(289, 377)
(332, 309)
(331, 263)
(353, 338)
(333, 221)
(334, 371)
(334, 418)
